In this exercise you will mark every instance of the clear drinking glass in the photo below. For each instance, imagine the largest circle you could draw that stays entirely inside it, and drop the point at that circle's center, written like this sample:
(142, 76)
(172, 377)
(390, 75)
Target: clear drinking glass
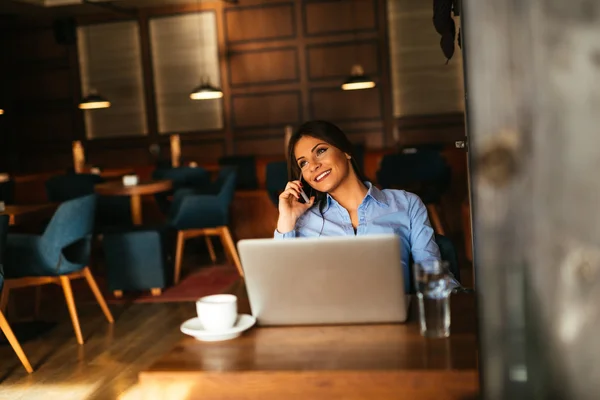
(433, 284)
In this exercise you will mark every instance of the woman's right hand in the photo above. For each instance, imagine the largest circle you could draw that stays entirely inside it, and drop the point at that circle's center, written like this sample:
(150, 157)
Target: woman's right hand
(290, 209)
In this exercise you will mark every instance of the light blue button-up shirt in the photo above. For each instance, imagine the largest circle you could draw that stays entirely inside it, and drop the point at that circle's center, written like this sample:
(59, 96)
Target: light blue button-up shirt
(382, 211)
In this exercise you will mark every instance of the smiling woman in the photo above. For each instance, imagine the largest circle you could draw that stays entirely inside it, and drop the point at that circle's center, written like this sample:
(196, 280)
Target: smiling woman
(341, 202)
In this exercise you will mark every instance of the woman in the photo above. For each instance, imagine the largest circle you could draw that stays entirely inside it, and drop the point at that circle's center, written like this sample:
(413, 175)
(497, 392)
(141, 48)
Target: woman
(342, 203)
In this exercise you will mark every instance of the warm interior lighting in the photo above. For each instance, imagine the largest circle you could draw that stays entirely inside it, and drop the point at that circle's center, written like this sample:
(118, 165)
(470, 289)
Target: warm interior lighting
(93, 101)
(358, 80)
(1, 111)
(206, 92)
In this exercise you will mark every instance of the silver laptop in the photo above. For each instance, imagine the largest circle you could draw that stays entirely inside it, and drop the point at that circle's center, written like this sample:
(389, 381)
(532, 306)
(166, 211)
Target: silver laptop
(334, 280)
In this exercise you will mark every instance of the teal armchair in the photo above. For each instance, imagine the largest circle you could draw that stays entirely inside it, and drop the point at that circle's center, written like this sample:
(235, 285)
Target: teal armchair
(59, 255)
(196, 178)
(276, 180)
(193, 215)
(6, 330)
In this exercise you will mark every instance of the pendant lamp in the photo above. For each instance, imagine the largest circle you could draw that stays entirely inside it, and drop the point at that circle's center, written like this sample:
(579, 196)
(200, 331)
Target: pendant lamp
(358, 80)
(205, 91)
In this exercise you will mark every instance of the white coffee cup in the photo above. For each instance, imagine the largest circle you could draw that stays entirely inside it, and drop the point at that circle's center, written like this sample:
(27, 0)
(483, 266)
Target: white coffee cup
(217, 312)
(130, 180)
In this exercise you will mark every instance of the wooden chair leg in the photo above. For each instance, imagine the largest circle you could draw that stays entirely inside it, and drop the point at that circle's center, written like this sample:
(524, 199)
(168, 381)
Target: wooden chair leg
(229, 247)
(4, 297)
(10, 336)
(99, 298)
(179, 256)
(66, 285)
(436, 221)
(211, 249)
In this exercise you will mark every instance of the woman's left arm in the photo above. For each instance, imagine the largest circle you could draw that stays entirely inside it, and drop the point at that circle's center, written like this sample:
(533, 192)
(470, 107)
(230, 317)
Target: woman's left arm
(422, 237)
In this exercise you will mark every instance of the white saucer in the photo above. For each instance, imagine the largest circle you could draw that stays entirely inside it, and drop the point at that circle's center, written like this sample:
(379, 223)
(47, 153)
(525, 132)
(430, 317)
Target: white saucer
(193, 327)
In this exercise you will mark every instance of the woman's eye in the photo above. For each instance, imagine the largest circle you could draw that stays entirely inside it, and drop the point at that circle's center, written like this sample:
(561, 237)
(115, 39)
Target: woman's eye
(321, 151)
(302, 164)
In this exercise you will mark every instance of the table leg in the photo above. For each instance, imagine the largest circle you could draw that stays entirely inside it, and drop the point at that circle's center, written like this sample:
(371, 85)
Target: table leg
(136, 209)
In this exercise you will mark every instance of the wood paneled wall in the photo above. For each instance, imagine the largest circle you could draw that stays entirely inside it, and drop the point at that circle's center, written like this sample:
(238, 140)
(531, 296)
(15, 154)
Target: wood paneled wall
(287, 61)
(281, 62)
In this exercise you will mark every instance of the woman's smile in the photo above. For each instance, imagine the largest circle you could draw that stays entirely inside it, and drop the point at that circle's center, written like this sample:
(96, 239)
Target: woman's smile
(323, 175)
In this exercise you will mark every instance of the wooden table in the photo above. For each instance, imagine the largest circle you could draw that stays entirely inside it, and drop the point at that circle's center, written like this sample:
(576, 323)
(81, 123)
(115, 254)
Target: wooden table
(390, 361)
(117, 188)
(29, 212)
(113, 173)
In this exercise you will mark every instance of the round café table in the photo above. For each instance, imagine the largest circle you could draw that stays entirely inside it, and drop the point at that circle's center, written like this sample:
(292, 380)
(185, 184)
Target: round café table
(116, 188)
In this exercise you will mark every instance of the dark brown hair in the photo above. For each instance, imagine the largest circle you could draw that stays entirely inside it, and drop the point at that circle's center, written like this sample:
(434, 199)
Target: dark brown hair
(327, 132)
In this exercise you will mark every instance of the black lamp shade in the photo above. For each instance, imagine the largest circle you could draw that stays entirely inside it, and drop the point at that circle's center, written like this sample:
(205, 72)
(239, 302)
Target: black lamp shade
(358, 80)
(93, 101)
(206, 92)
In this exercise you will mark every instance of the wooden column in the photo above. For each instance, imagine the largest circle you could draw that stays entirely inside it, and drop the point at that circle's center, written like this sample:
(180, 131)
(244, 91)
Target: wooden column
(78, 157)
(533, 82)
(175, 151)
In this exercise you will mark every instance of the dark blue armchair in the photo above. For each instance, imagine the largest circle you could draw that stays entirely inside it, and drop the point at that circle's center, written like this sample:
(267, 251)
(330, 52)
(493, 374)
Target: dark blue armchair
(194, 215)
(423, 172)
(276, 180)
(137, 259)
(182, 177)
(59, 255)
(6, 330)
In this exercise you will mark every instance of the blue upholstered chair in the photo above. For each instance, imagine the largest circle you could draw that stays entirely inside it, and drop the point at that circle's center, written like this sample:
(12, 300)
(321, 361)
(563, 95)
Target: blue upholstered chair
(194, 215)
(246, 170)
(423, 172)
(136, 259)
(6, 330)
(7, 191)
(182, 177)
(59, 255)
(110, 210)
(276, 179)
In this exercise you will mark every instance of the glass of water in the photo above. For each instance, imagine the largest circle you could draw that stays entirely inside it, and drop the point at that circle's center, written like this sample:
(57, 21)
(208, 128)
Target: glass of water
(433, 284)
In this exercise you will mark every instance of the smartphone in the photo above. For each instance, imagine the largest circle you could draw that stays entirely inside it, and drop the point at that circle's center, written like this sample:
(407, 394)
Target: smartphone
(302, 194)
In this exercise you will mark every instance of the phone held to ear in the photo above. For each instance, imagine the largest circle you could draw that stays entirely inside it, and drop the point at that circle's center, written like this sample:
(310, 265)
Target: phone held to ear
(304, 196)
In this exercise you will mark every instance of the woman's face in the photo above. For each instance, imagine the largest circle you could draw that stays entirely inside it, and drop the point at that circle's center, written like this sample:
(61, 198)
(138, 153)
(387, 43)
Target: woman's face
(323, 166)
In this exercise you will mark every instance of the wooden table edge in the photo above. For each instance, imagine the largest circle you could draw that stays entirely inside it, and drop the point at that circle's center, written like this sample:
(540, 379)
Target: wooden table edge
(317, 384)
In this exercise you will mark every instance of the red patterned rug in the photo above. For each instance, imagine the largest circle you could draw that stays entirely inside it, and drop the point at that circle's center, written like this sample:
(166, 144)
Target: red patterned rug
(204, 282)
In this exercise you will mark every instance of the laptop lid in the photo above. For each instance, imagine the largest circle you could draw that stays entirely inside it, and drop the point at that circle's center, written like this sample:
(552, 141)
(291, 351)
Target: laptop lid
(333, 280)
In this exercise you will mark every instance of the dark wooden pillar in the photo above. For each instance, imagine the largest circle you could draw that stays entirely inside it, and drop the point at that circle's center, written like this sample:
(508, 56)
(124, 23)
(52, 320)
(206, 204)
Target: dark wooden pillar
(534, 125)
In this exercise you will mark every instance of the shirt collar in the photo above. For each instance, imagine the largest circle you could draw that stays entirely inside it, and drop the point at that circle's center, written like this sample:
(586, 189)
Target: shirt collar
(372, 193)
(376, 194)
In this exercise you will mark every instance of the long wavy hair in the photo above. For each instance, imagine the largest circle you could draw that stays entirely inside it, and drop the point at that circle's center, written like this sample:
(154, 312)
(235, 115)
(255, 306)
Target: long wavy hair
(328, 133)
